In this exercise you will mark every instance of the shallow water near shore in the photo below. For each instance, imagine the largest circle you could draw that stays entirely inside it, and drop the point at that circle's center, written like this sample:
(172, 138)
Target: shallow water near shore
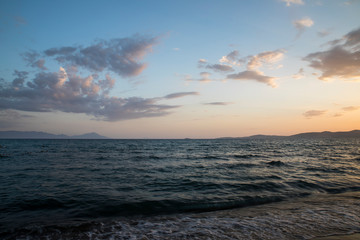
(179, 189)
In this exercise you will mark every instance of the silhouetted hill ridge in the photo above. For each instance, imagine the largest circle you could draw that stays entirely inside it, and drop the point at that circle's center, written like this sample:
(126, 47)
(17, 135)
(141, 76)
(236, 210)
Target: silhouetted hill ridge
(325, 134)
(44, 135)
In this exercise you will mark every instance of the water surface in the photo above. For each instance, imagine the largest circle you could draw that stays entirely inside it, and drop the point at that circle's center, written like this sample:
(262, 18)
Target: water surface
(185, 189)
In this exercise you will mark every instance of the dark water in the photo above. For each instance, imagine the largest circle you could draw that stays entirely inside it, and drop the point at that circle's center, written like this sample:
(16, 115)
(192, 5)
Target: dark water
(179, 189)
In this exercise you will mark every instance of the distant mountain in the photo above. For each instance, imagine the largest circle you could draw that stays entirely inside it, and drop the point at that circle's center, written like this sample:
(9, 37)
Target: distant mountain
(92, 135)
(44, 135)
(259, 136)
(326, 134)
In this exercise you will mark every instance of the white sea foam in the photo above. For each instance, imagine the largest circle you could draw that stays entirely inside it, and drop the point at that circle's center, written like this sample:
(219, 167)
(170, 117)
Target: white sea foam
(302, 218)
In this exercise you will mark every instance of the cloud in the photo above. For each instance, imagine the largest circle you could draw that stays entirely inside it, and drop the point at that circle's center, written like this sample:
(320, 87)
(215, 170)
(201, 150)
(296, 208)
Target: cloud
(10, 118)
(342, 60)
(220, 67)
(67, 91)
(60, 51)
(232, 58)
(352, 39)
(289, 2)
(202, 63)
(180, 94)
(303, 23)
(33, 60)
(323, 33)
(219, 103)
(314, 113)
(70, 90)
(252, 72)
(204, 77)
(19, 79)
(121, 55)
(299, 75)
(253, 75)
(338, 115)
(269, 58)
(351, 108)
(346, 109)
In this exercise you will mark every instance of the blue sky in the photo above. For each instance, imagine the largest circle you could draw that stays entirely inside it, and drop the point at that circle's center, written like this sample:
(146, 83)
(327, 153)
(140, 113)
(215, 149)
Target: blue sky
(174, 69)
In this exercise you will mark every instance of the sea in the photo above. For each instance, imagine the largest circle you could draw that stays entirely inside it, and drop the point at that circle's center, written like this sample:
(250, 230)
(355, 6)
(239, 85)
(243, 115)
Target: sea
(179, 189)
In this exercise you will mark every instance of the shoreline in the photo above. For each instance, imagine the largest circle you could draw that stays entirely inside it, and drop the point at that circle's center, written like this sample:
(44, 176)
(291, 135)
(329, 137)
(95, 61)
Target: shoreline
(314, 217)
(352, 236)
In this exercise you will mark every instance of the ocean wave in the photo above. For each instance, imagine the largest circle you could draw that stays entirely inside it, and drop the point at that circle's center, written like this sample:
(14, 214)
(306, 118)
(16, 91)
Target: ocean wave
(305, 218)
(276, 163)
(130, 178)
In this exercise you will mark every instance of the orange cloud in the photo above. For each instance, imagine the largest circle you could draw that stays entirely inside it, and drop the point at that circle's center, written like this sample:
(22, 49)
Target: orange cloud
(314, 113)
(351, 108)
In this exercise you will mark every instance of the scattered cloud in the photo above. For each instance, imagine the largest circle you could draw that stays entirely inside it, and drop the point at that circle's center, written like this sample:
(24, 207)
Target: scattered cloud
(204, 77)
(253, 75)
(314, 113)
(202, 63)
(220, 67)
(19, 79)
(180, 94)
(289, 2)
(219, 103)
(269, 58)
(67, 91)
(346, 110)
(338, 115)
(323, 33)
(232, 58)
(33, 59)
(59, 51)
(232, 61)
(341, 60)
(351, 108)
(303, 23)
(299, 74)
(176, 49)
(352, 39)
(121, 55)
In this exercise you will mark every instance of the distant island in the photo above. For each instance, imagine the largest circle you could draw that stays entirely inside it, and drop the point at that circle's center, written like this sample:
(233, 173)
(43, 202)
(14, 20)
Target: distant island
(44, 135)
(325, 134)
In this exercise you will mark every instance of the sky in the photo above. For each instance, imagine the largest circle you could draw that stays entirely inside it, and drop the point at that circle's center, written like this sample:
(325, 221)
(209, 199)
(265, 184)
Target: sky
(178, 69)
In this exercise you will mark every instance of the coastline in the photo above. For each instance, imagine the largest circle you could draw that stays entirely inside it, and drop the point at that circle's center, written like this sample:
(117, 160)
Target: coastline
(353, 236)
(316, 217)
